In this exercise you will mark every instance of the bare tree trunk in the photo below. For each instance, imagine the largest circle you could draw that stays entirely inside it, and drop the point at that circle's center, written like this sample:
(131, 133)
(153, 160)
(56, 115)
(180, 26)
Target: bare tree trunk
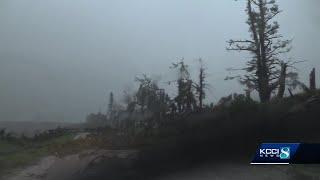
(201, 83)
(262, 72)
(264, 78)
(290, 92)
(282, 80)
(313, 80)
(261, 83)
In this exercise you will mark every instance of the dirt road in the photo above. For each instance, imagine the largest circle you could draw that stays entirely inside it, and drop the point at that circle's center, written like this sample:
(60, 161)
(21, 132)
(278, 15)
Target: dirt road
(69, 167)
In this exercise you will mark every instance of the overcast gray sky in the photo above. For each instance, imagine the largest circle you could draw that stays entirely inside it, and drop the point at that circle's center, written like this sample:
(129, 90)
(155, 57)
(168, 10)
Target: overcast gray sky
(59, 59)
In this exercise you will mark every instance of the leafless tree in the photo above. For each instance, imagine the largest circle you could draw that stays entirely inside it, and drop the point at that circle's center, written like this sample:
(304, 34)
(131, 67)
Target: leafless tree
(185, 99)
(313, 80)
(266, 46)
(201, 85)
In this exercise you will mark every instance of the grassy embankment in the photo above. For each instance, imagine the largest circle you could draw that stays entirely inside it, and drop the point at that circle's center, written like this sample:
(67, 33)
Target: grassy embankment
(19, 152)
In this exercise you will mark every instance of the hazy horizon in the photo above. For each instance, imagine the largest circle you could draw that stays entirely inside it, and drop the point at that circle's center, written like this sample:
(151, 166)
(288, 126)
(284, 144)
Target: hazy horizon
(60, 59)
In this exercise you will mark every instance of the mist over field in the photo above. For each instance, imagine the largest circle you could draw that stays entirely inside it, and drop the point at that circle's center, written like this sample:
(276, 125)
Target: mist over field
(159, 89)
(60, 59)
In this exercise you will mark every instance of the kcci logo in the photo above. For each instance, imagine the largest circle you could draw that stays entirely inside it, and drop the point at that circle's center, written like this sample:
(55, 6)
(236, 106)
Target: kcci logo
(282, 153)
(285, 153)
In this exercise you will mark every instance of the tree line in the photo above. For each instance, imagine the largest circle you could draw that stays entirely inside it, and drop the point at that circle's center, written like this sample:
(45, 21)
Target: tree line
(267, 72)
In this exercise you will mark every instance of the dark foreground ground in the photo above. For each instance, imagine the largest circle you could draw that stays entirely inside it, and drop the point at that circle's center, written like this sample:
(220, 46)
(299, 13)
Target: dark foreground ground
(220, 145)
(216, 145)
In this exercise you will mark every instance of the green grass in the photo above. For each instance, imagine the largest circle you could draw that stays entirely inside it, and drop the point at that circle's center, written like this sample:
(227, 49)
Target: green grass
(19, 153)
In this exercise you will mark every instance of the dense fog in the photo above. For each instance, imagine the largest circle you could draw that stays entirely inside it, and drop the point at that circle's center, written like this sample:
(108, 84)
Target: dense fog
(59, 59)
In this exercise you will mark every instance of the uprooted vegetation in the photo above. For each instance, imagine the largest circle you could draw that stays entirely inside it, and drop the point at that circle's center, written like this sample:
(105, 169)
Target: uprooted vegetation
(233, 133)
(228, 134)
(187, 141)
